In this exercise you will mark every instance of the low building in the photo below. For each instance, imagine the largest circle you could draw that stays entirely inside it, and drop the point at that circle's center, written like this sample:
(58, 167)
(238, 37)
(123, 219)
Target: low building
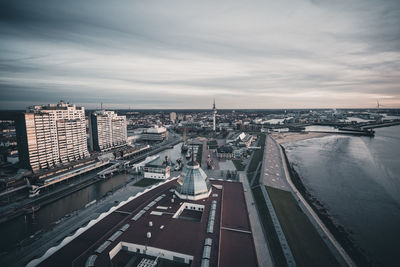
(154, 134)
(154, 171)
(242, 139)
(225, 152)
(189, 221)
(239, 152)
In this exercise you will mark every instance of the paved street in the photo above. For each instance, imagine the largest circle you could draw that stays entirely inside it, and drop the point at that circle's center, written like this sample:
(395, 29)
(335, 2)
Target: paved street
(273, 171)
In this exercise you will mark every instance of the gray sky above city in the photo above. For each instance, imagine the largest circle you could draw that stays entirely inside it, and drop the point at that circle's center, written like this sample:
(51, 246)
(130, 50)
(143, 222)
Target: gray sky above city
(182, 54)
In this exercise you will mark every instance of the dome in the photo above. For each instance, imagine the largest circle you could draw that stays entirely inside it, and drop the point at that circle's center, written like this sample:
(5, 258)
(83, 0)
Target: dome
(193, 183)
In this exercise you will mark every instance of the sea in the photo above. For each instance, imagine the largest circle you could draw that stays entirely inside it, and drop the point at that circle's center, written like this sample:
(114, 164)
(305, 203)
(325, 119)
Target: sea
(357, 179)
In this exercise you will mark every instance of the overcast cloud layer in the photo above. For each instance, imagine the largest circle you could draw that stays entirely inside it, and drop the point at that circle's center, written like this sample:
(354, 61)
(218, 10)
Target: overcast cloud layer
(181, 54)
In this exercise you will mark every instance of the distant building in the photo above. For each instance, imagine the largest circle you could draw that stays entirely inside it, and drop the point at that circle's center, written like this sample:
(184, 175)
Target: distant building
(242, 139)
(172, 117)
(154, 134)
(181, 117)
(51, 135)
(225, 152)
(107, 130)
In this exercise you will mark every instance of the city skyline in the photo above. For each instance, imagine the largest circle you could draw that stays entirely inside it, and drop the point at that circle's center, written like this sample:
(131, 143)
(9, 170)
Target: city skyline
(180, 55)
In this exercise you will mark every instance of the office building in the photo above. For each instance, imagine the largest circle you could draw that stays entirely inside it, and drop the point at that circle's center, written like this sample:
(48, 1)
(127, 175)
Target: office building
(107, 130)
(51, 135)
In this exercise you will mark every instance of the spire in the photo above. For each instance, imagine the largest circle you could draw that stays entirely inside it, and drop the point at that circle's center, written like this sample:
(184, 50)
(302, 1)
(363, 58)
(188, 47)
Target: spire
(214, 104)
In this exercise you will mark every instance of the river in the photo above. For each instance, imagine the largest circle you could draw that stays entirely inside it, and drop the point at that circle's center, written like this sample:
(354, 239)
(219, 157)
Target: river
(357, 179)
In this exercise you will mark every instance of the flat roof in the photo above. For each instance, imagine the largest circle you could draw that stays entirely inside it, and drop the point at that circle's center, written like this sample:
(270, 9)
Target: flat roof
(232, 241)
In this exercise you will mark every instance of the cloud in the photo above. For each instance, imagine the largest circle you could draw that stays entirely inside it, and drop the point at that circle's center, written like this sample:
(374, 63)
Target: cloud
(181, 54)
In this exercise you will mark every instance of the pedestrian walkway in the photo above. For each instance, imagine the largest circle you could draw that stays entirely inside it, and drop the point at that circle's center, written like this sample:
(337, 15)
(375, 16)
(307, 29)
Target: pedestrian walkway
(272, 166)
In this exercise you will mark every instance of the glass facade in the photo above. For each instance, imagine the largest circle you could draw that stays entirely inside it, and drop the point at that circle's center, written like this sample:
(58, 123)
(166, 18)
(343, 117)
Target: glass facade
(193, 181)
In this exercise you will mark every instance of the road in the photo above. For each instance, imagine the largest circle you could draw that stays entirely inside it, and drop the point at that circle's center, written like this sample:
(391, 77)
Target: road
(272, 176)
(272, 167)
(263, 253)
(314, 217)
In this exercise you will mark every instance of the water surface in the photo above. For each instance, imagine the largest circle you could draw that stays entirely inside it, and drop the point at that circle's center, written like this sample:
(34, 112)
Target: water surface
(358, 181)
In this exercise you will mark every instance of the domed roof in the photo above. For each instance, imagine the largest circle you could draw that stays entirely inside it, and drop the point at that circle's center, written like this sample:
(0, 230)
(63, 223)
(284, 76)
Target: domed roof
(193, 182)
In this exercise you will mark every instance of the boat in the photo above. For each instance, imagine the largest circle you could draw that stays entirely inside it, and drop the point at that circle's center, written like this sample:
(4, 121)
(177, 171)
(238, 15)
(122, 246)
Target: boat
(179, 164)
(90, 203)
(209, 163)
(166, 162)
(34, 191)
(184, 148)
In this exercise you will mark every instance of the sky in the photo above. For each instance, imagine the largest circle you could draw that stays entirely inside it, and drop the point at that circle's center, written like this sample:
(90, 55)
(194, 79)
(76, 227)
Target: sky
(181, 54)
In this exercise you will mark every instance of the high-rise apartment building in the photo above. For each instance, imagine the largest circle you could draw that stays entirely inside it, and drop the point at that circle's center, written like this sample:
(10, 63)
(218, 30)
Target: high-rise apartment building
(51, 135)
(107, 130)
(172, 117)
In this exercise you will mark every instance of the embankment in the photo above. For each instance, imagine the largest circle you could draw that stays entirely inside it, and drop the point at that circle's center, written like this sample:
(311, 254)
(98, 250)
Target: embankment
(337, 230)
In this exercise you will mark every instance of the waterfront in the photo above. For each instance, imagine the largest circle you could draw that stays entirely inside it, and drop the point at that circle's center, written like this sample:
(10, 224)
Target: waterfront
(13, 232)
(357, 181)
(19, 230)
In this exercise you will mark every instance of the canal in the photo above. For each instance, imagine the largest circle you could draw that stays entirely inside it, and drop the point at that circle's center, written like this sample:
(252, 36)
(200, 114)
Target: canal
(18, 231)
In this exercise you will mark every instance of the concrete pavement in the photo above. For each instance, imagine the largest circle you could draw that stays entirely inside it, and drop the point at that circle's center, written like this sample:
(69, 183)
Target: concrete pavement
(272, 173)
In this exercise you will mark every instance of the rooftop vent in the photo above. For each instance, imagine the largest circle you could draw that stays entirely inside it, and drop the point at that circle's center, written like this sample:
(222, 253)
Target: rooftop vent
(148, 235)
(150, 223)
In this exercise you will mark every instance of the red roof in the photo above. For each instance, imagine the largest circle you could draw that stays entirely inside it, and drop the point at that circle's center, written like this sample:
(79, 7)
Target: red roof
(232, 241)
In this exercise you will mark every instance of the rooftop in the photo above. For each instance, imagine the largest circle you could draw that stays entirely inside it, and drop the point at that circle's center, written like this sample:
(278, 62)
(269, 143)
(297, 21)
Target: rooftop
(155, 130)
(215, 230)
(225, 149)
